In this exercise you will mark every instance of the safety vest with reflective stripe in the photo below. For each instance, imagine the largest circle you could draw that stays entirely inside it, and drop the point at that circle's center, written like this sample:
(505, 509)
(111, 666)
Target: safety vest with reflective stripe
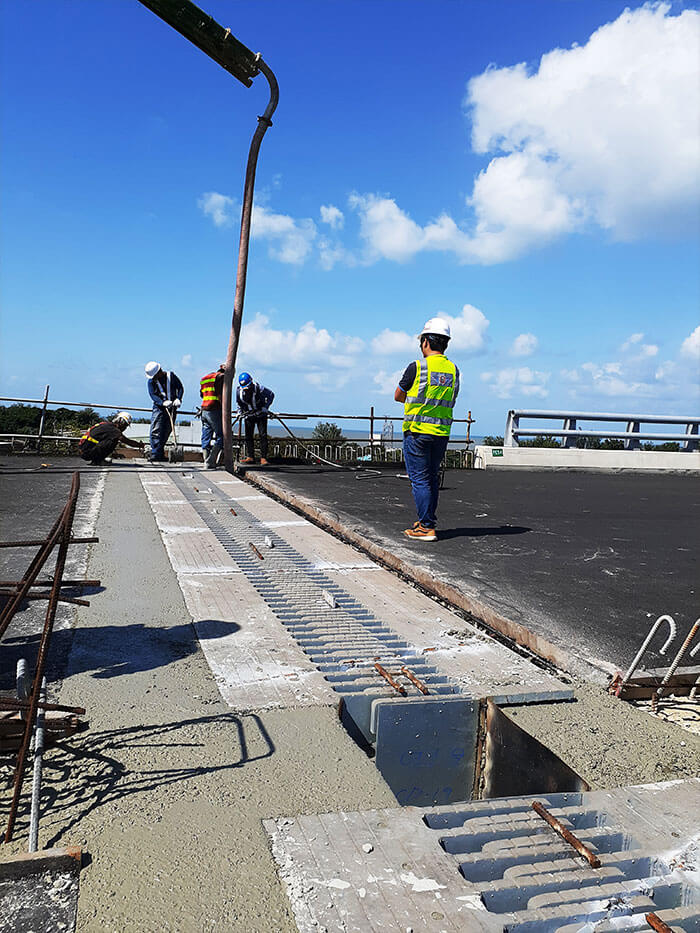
(430, 400)
(208, 391)
(86, 436)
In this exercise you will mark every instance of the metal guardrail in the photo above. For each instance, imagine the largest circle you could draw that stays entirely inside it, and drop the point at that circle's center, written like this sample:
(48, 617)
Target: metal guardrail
(372, 417)
(571, 431)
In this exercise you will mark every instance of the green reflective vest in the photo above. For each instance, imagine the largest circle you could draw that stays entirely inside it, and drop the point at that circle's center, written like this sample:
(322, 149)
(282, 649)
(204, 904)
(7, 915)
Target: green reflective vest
(431, 398)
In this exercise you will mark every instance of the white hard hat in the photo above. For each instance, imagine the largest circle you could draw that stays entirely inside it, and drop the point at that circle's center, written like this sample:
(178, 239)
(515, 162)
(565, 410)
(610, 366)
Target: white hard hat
(125, 417)
(152, 368)
(437, 325)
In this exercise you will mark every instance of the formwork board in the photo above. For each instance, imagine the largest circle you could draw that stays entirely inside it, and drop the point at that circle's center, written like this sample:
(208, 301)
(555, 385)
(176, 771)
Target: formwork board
(505, 868)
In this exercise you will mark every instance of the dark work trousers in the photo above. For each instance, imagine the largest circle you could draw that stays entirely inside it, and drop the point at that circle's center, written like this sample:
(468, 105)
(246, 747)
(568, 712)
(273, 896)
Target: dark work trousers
(160, 430)
(95, 453)
(422, 454)
(250, 425)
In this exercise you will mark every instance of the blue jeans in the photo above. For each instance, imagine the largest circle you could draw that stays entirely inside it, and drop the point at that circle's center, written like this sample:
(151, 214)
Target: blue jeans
(160, 430)
(212, 427)
(423, 454)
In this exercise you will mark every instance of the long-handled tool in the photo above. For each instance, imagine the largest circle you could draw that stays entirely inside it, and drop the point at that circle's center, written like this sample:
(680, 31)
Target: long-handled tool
(176, 454)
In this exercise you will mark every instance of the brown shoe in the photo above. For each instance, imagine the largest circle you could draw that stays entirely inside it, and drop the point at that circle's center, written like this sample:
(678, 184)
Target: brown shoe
(421, 533)
(263, 461)
(248, 460)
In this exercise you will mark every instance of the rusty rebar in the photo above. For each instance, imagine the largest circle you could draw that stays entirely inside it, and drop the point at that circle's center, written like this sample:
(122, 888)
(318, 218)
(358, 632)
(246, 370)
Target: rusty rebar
(255, 550)
(566, 835)
(62, 599)
(39, 541)
(674, 664)
(62, 537)
(389, 679)
(69, 583)
(407, 672)
(656, 923)
(13, 703)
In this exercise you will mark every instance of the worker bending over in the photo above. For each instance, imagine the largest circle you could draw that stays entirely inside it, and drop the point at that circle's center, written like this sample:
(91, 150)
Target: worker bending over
(166, 392)
(428, 389)
(101, 440)
(210, 390)
(254, 402)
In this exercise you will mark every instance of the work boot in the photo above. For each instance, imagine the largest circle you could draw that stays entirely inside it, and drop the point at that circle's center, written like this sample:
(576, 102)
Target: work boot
(206, 453)
(421, 533)
(213, 458)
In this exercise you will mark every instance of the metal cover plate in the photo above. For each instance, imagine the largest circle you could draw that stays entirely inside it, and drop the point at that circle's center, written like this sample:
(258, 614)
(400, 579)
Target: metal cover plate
(426, 747)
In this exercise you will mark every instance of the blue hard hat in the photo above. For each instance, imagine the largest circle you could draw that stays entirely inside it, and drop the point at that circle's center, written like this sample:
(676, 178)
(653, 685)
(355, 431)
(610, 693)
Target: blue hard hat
(244, 379)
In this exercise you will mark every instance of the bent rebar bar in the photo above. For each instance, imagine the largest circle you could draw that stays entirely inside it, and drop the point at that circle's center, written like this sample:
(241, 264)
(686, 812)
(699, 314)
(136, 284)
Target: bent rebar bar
(676, 661)
(652, 631)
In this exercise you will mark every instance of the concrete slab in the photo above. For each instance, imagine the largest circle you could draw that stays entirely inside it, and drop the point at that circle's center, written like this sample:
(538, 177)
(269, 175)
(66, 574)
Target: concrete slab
(574, 566)
(255, 662)
(39, 892)
(495, 865)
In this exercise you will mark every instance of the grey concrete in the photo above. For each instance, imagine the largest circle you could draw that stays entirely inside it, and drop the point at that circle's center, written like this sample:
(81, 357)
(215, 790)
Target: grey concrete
(583, 562)
(496, 865)
(167, 788)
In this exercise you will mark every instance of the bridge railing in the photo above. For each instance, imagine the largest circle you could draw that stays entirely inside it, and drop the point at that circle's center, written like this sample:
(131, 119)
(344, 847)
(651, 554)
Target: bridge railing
(571, 431)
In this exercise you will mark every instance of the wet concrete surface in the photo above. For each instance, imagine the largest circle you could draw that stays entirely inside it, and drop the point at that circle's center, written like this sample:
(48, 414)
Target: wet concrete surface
(586, 560)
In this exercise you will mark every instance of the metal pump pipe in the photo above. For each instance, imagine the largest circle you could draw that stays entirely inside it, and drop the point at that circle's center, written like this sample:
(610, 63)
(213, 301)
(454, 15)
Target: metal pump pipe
(220, 45)
(241, 274)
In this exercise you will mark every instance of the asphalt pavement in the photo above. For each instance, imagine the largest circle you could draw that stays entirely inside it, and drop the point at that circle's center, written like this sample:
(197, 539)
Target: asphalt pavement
(587, 561)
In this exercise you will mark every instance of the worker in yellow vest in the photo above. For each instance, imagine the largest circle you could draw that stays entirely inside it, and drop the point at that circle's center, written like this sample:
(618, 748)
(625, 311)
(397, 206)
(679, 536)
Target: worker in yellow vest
(210, 390)
(428, 390)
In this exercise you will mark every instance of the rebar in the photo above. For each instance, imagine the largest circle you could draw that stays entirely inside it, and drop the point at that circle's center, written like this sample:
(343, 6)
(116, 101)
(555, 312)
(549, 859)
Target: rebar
(566, 834)
(36, 776)
(676, 661)
(645, 644)
(60, 535)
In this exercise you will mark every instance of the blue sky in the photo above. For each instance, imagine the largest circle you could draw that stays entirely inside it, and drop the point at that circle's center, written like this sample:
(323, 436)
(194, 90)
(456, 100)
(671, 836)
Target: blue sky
(528, 169)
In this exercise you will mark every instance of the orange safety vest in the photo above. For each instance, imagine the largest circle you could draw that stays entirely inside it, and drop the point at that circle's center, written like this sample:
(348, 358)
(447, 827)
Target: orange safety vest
(208, 390)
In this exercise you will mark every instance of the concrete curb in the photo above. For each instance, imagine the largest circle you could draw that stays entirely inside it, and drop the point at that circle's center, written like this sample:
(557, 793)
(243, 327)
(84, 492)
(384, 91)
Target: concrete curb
(484, 614)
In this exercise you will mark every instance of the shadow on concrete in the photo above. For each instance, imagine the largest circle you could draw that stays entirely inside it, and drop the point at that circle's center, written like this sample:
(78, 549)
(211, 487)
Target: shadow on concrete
(78, 779)
(482, 532)
(109, 650)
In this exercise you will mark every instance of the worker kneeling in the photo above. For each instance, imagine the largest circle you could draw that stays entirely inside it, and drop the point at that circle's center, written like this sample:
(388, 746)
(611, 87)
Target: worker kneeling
(101, 440)
(254, 402)
(428, 389)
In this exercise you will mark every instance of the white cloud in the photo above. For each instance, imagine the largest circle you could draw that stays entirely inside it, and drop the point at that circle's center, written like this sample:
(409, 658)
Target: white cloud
(394, 341)
(524, 345)
(293, 238)
(333, 216)
(690, 348)
(387, 382)
(219, 207)
(509, 383)
(468, 334)
(186, 360)
(605, 132)
(310, 346)
(644, 350)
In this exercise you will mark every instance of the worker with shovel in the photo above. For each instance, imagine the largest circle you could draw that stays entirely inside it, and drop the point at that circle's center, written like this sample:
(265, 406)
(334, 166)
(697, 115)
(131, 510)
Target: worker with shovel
(211, 389)
(166, 391)
(254, 402)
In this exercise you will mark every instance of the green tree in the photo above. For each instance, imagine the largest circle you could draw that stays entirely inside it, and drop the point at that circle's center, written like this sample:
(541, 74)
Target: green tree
(327, 433)
(492, 440)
